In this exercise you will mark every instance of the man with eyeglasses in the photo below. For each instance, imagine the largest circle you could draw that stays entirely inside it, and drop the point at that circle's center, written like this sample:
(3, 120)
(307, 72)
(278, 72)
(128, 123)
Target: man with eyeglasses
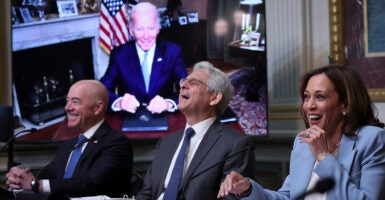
(145, 70)
(213, 149)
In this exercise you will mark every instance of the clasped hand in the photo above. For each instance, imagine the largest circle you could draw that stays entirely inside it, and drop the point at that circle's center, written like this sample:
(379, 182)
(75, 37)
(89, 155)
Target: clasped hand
(317, 139)
(157, 105)
(18, 178)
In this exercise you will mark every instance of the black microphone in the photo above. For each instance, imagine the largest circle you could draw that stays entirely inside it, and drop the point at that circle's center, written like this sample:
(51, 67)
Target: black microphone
(9, 143)
(321, 186)
(247, 148)
(11, 139)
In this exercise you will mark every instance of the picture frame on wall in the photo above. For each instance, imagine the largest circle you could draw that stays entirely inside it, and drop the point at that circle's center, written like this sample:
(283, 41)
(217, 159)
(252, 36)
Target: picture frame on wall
(349, 44)
(67, 8)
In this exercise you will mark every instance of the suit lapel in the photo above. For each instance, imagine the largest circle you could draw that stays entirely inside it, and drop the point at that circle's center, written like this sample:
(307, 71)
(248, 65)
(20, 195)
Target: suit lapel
(90, 148)
(134, 58)
(207, 143)
(301, 158)
(67, 151)
(167, 157)
(135, 63)
(347, 152)
(157, 66)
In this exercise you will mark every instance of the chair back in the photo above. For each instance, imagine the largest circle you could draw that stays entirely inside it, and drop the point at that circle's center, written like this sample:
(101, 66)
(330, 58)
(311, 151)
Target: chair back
(136, 184)
(6, 123)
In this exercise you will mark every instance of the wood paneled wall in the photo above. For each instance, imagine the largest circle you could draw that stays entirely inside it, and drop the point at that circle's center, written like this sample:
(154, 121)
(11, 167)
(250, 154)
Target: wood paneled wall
(5, 54)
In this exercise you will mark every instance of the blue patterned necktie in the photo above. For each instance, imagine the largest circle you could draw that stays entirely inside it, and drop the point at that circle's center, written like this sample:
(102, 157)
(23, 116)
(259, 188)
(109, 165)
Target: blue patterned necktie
(145, 71)
(76, 152)
(171, 192)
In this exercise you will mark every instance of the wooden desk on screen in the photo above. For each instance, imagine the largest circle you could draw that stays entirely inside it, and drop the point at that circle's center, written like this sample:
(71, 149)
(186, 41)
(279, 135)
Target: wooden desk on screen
(60, 131)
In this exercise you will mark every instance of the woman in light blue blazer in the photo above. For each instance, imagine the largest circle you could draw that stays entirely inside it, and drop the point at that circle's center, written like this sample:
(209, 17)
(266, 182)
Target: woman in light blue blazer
(344, 142)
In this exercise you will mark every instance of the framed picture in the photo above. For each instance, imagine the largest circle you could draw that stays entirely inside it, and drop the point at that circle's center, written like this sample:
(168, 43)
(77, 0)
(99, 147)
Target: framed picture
(89, 6)
(354, 43)
(374, 29)
(192, 17)
(25, 14)
(67, 8)
(164, 18)
(165, 21)
(14, 17)
(182, 20)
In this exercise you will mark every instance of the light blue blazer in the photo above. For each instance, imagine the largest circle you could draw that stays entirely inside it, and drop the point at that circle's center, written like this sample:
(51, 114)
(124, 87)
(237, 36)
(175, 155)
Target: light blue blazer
(358, 170)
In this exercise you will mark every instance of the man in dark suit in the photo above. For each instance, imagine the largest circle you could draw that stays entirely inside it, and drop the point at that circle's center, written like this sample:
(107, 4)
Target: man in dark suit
(145, 70)
(105, 163)
(203, 97)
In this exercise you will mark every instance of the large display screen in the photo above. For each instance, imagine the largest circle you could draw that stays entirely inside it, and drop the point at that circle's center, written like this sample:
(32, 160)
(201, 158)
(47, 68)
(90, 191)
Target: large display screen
(42, 74)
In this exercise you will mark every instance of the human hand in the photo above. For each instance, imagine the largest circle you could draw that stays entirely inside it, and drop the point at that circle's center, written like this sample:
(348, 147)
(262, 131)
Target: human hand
(233, 183)
(317, 140)
(158, 105)
(18, 178)
(129, 103)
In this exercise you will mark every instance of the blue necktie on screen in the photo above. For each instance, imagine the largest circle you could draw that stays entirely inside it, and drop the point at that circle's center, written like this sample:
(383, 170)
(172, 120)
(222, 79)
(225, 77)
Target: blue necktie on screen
(171, 192)
(145, 71)
(74, 157)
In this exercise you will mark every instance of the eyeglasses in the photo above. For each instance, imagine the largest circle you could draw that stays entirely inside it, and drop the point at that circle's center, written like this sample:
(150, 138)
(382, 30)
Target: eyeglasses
(191, 82)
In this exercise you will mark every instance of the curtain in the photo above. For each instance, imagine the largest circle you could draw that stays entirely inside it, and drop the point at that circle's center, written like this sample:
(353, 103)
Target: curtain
(220, 10)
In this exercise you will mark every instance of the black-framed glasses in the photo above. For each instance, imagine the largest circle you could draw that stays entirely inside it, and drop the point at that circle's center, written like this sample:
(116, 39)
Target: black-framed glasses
(191, 82)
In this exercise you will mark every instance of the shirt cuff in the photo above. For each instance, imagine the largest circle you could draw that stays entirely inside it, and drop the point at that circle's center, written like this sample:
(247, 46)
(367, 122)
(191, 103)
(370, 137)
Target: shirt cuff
(46, 186)
(113, 105)
(173, 107)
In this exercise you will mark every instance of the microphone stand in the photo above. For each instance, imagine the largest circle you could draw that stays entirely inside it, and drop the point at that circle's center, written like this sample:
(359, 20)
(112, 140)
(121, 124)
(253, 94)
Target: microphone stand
(11, 163)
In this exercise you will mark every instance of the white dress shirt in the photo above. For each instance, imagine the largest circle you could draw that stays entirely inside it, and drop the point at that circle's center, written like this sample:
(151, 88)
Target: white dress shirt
(200, 131)
(313, 180)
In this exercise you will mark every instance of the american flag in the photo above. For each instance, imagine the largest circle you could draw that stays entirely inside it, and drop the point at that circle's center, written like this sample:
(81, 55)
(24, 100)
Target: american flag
(113, 24)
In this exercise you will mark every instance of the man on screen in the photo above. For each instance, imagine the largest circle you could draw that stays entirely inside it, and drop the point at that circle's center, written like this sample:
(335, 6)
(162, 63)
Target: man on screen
(145, 70)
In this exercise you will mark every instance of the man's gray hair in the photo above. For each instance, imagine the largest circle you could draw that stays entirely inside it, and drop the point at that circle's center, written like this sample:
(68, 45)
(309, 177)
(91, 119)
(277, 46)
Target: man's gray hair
(218, 81)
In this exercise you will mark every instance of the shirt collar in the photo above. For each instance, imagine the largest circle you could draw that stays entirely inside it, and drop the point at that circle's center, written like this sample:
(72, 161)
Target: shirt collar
(91, 131)
(201, 128)
(150, 52)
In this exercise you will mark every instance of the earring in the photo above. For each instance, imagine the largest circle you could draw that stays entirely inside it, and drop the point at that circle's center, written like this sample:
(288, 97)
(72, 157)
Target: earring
(343, 113)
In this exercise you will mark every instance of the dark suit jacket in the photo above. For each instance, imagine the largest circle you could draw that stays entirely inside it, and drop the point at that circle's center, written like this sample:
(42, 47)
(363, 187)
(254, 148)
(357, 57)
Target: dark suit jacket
(104, 167)
(124, 71)
(219, 142)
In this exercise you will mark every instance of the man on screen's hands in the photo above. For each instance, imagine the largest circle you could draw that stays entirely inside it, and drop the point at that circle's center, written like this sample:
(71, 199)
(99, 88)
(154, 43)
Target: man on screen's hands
(128, 103)
(157, 105)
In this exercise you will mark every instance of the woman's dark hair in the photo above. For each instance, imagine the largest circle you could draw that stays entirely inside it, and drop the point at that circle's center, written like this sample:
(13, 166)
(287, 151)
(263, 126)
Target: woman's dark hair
(352, 91)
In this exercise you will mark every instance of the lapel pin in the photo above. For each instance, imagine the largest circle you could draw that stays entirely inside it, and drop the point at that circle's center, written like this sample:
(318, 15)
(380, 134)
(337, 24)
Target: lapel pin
(159, 60)
(95, 141)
